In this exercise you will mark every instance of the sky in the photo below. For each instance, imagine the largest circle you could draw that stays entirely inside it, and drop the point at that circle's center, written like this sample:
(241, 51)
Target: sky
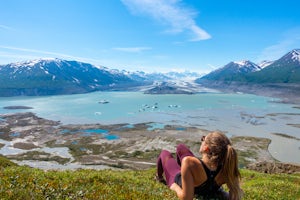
(149, 35)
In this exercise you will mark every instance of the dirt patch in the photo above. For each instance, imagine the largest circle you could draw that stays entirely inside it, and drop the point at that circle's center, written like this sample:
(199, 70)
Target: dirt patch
(274, 167)
(25, 146)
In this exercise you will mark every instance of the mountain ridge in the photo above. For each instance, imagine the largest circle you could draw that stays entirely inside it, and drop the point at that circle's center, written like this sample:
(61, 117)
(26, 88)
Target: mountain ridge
(55, 76)
(284, 70)
(46, 77)
(280, 78)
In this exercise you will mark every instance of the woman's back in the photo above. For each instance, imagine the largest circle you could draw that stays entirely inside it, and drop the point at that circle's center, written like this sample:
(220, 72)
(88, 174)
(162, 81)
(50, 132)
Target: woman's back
(188, 176)
(202, 174)
(207, 182)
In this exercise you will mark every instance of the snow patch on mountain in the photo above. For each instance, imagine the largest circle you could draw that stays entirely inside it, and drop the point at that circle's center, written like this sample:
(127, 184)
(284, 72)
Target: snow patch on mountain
(296, 55)
(241, 63)
(247, 64)
(31, 63)
(265, 63)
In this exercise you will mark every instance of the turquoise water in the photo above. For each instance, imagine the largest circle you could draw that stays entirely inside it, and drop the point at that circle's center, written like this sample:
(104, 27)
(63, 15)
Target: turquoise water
(236, 114)
(153, 126)
(135, 106)
(90, 132)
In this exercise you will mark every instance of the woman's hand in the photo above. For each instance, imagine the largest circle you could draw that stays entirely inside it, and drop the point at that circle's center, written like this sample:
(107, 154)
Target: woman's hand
(175, 187)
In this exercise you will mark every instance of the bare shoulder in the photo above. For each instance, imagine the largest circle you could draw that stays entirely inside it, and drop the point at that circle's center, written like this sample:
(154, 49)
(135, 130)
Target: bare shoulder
(195, 166)
(191, 161)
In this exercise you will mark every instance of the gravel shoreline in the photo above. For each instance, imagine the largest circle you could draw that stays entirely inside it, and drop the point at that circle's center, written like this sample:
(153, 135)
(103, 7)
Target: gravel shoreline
(36, 140)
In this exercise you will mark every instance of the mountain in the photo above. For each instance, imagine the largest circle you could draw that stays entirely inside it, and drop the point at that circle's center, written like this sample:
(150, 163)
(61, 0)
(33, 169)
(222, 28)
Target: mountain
(233, 71)
(280, 78)
(55, 76)
(157, 76)
(284, 70)
(167, 83)
(265, 63)
(148, 77)
(185, 75)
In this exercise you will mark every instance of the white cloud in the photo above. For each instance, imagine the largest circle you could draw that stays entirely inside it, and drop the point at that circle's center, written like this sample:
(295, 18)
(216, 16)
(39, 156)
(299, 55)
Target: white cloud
(22, 54)
(132, 49)
(290, 41)
(34, 51)
(171, 13)
(5, 27)
(8, 56)
(212, 67)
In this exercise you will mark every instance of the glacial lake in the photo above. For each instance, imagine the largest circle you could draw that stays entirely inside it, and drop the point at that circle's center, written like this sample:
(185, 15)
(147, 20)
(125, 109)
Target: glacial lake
(235, 114)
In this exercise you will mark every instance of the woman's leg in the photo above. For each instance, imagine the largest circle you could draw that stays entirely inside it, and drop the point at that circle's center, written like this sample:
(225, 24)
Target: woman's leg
(167, 164)
(181, 152)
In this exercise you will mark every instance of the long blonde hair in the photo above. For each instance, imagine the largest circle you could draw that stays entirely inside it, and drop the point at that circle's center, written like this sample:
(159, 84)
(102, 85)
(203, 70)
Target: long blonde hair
(222, 153)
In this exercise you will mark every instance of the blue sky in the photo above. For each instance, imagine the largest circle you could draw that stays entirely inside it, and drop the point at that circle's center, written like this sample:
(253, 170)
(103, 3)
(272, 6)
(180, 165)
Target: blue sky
(149, 35)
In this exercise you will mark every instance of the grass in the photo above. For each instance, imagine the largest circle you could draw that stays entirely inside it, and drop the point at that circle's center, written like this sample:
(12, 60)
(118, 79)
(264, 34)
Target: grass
(270, 186)
(20, 182)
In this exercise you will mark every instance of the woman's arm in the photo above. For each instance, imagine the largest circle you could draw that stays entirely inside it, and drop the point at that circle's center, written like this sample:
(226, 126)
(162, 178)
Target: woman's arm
(187, 191)
(177, 189)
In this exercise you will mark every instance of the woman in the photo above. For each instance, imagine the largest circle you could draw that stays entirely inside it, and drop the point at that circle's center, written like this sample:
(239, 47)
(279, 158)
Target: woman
(189, 177)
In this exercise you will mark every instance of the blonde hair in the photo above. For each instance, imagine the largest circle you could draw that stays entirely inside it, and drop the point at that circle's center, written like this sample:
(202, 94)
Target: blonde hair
(222, 153)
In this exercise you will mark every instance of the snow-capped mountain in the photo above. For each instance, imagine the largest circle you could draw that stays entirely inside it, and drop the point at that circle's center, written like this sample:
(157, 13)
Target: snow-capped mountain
(157, 76)
(55, 76)
(291, 58)
(232, 70)
(284, 70)
(149, 77)
(245, 66)
(295, 55)
(265, 63)
(185, 75)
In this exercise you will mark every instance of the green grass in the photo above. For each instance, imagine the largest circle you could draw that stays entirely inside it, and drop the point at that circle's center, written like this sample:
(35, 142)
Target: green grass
(19, 182)
(270, 186)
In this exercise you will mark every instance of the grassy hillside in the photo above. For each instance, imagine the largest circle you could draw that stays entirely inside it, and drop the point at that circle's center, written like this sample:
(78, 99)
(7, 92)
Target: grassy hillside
(24, 183)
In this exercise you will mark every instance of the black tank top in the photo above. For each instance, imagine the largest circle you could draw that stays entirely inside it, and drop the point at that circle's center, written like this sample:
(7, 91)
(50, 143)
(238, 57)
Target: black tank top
(207, 188)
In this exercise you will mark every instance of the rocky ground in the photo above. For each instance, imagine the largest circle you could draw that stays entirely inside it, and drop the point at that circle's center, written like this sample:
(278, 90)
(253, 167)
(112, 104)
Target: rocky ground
(119, 146)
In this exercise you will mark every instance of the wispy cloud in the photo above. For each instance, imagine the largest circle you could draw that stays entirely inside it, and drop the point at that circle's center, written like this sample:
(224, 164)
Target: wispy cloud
(14, 52)
(289, 41)
(171, 13)
(132, 49)
(34, 51)
(5, 27)
(212, 67)
(15, 56)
